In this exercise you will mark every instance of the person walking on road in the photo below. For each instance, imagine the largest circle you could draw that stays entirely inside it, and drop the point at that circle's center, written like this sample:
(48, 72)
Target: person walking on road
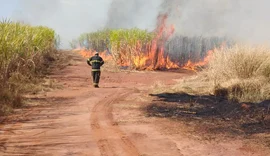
(96, 62)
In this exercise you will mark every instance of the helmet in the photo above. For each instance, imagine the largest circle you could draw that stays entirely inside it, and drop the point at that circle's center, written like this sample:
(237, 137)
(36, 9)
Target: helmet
(96, 53)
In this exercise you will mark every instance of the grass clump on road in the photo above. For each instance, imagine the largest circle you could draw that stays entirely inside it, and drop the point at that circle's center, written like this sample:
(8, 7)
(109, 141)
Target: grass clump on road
(25, 53)
(240, 73)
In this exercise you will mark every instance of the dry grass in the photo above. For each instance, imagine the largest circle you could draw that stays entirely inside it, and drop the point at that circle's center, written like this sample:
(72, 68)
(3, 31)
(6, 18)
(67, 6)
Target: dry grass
(26, 53)
(110, 66)
(240, 73)
(195, 85)
(159, 87)
(19, 84)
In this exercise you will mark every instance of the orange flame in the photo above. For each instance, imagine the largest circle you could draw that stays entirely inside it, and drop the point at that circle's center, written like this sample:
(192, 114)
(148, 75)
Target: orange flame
(193, 66)
(89, 53)
(157, 55)
(154, 57)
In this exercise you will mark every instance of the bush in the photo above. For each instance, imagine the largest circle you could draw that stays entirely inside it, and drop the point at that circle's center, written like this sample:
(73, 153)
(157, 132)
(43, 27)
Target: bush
(240, 72)
(241, 62)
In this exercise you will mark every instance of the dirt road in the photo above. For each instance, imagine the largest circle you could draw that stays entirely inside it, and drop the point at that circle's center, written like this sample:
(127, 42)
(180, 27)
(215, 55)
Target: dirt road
(109, 121)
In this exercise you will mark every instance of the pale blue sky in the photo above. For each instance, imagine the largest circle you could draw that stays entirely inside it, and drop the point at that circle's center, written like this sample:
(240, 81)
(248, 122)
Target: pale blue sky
(7, 7)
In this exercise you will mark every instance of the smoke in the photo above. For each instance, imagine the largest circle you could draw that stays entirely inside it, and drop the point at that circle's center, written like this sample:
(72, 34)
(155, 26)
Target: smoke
(133, 13)
(69, 18)
(243, 20)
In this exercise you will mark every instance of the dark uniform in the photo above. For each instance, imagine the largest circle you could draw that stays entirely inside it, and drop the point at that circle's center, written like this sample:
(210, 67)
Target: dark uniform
(96, 62)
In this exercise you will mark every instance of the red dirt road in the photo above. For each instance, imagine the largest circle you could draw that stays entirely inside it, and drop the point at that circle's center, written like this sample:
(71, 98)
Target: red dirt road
(108, 121)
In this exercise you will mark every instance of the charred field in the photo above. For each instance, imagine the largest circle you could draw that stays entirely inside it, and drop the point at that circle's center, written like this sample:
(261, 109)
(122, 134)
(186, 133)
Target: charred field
(213, 117)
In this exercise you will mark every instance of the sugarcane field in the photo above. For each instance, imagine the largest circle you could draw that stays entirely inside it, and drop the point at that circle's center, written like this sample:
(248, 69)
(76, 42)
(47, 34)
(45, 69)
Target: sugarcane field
(134, 78)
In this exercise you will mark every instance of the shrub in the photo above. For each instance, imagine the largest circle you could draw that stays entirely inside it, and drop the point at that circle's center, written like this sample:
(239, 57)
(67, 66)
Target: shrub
(240, 73)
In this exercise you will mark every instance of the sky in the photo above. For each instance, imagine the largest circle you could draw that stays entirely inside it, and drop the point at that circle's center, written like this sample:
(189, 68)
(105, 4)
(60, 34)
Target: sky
(245, 20)
(70, 18)
(7, 8)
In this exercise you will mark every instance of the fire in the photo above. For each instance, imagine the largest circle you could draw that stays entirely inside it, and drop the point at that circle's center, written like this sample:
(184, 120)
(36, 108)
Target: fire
(193, 66)
(140, 61)
(160, 60)
(154, 56)
(147, 62)
(89, 53)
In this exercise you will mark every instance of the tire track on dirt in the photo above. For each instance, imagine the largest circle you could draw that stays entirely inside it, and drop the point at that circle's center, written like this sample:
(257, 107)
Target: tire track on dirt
(109, 137)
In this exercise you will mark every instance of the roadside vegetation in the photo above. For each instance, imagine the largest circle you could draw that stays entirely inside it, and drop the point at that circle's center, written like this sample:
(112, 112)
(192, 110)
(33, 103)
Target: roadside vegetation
(231, 94)
(26, 52)
(240, 73)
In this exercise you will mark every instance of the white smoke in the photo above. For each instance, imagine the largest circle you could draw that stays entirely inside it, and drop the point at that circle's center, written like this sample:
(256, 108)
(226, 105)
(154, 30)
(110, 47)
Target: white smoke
(244, 20)
(133, 13)
(70, 18)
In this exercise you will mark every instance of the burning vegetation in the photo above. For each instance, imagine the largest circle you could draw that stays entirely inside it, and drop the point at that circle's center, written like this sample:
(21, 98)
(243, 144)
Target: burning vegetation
(142, 50)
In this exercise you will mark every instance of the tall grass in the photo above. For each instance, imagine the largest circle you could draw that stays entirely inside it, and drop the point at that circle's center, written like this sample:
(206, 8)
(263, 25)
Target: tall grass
(241, 72)
(123, 44)
(98, 40)
(241, 62)
(126, 44)
(244, 70)
(24, 50)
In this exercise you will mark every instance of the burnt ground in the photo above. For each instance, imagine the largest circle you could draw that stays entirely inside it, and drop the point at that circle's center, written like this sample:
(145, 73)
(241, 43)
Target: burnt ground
(214, 115)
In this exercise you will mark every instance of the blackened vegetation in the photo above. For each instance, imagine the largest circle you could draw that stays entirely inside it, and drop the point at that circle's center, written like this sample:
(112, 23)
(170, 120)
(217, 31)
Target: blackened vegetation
(213, 114)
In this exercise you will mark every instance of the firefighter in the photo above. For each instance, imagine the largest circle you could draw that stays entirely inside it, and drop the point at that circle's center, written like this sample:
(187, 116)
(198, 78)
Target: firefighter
(96, 62)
